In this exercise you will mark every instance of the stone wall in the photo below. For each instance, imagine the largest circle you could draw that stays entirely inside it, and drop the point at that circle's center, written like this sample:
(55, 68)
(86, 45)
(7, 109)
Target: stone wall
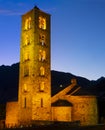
(84, 109)
(2, 124)
(61, 113)
(11, 114)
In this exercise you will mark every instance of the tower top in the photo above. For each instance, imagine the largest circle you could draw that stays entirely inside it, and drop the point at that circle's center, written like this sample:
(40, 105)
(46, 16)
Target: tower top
(36, 7)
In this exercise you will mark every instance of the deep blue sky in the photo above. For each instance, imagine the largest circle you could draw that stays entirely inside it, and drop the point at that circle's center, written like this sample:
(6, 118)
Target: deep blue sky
(77, 34)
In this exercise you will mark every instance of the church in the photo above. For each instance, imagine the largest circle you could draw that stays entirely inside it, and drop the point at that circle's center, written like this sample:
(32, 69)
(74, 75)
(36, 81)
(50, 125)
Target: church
(35, 103)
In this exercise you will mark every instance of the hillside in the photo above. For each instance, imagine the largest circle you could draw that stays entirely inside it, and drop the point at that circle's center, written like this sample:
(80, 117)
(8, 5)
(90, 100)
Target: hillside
(9, 78)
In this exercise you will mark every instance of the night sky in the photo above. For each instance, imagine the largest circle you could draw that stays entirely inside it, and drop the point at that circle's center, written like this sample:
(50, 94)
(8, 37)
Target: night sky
(77, 34)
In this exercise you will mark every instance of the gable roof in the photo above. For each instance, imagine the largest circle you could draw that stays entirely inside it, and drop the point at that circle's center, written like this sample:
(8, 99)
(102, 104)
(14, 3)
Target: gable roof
(65, 91)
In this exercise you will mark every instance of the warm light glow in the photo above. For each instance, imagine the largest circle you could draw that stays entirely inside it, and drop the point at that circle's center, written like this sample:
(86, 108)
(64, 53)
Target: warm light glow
(27, 41)
(42, 39)
(42, 23)
(42, 84)
(26, 56)
(25, 88)
(28, 23)
(42, 55)
(42, 71)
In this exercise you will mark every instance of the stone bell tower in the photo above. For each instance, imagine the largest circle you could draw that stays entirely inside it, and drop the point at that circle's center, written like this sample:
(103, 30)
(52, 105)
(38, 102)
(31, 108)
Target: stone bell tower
(34, 76)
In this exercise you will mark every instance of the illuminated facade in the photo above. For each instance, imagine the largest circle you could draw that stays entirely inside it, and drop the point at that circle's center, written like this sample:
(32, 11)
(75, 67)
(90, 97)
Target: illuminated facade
(34, 79)
(34, 96)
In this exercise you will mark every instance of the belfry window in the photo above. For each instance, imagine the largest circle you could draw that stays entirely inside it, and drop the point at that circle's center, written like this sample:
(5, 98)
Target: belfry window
(42, 85)
(42, 39)
(28, 23)
(25, 88)
(42, 55)
(26, 56)
(27, 40)
(42, 23)
(42, 71)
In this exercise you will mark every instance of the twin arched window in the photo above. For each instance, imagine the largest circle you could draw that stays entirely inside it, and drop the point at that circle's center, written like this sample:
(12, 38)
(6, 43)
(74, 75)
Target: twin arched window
(42, 23)
(42, 39)
(42, 55)
(28, 23)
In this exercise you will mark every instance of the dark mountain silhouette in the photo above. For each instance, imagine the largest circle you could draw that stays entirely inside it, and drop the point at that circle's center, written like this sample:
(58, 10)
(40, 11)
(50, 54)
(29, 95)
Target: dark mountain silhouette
(9, 79)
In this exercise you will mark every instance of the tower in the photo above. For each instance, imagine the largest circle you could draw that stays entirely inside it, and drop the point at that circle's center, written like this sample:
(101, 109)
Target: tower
(34, 76)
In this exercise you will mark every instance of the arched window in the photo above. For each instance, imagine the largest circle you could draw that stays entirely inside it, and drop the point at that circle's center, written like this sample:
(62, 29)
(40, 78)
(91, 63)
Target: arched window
(28, 23)
(42, 85)
(27, 40)
(39, 22)
(42, 23)
(42, 55)
(25, 88)
(42, 71)
(26, 56)
(42, 39)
